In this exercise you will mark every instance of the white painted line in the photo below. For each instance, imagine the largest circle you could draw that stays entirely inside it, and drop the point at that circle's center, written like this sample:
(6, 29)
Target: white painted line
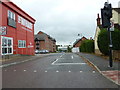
(35, 71)
(14, 70)
(69, 64)
(72, 57)
(81, 71)
(61, 56)
(69, 71)
(57, 71)
(55, 61)
(24, 70)
(45, 71)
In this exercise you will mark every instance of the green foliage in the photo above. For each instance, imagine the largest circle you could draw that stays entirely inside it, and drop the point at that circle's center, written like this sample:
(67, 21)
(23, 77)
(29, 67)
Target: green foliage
(69, 49)
(87, 46)
(103, 40)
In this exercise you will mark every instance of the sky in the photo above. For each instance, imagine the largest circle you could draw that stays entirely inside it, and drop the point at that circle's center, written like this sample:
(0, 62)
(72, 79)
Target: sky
(64, 19)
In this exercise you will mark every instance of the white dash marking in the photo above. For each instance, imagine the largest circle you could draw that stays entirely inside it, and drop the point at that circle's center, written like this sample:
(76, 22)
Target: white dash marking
(57, 71)
(69, 71)
(46, 71)
(81, 71)
(24, 70)
(72, 57)
(35, 71)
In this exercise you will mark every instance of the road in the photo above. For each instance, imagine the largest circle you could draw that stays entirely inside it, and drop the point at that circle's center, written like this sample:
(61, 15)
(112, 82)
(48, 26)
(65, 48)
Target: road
(60, 70)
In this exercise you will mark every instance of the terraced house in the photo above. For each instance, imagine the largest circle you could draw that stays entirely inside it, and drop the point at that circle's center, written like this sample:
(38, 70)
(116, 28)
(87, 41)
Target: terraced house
(44, 42)
(16, 30)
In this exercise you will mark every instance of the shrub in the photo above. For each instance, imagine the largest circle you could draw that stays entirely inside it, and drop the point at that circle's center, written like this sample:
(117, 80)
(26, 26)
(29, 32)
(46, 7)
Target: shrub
(103, 41)
(87, 46)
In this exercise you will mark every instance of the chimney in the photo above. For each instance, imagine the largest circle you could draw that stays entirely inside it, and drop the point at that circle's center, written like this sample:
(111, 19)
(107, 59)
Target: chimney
(91, 38)
(98, 20)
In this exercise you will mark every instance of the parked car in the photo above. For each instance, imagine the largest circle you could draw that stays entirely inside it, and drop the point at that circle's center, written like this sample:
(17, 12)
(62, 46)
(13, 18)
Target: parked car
(44, 51)
(41, 51)
(36, 51)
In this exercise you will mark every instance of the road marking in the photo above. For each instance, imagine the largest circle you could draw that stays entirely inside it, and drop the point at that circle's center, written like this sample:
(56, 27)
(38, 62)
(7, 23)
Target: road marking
(81, 71)
(61, 56)
(93, 71)
(57, 71)
(45, 71)
(55, 61)
(69, 64)
(14, 70)
(24, 70)
(35, 71)
(69, 71)
(72, 57)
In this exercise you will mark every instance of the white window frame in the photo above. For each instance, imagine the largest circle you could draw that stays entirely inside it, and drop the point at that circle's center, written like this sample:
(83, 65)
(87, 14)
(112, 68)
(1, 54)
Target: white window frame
(21, 44)
(7, 38)
(11, 15)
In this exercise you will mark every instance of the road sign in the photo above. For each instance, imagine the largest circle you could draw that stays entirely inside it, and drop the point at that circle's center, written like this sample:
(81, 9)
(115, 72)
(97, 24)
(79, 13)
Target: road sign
(112, 26)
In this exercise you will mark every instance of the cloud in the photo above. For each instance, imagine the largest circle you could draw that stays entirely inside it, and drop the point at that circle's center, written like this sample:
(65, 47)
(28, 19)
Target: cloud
(64, 19)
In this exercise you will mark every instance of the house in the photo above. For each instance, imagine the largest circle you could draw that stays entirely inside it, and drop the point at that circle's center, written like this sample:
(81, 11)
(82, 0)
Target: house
(97, 51)
(78, 42)
(44, 42)
(16, 30)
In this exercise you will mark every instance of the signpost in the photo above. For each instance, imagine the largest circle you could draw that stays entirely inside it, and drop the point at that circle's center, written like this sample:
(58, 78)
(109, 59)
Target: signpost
(106, 14)
(112, 26)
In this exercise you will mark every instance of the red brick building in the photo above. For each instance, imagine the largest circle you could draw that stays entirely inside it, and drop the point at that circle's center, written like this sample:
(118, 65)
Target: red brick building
(44, 42)
(79, 41)
(16, 30)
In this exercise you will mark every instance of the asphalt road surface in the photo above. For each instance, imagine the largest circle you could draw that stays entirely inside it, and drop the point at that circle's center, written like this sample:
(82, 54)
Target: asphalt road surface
(60, 70)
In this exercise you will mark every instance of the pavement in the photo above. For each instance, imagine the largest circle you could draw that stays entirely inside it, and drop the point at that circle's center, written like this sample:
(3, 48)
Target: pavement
(102, 66)
(20, 59)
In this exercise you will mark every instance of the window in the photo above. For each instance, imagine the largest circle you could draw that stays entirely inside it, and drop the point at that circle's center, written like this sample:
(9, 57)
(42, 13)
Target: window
(11, 19)
(11, 15)
(21, 44)
(7, 45)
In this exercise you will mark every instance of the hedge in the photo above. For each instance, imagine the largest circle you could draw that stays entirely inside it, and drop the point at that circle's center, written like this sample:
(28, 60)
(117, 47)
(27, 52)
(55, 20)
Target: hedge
(103, 40)
(87, 46)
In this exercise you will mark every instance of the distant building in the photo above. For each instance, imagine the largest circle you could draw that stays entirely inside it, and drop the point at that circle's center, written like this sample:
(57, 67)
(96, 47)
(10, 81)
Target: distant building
(44, 42)
(16, 30)
(64, 47)
(78, 42)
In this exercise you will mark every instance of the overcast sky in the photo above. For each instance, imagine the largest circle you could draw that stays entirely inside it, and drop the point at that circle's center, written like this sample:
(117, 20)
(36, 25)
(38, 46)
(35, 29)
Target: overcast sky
(64, 19)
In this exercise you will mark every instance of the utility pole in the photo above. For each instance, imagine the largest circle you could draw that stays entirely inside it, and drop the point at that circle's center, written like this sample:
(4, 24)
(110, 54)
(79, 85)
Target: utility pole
(106, 14)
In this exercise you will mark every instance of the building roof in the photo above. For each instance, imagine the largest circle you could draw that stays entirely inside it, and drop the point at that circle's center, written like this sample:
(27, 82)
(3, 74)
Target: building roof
(78, 40)
(117, 10)
(17, 9)
(40, 37)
